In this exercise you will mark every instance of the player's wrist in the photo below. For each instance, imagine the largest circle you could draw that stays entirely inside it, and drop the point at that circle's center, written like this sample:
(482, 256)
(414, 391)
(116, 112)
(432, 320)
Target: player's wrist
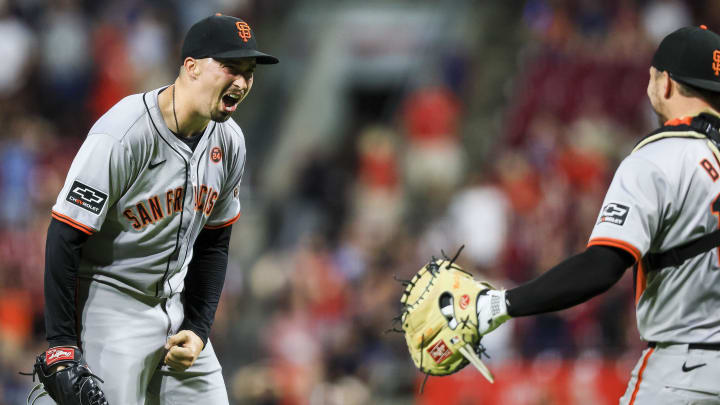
(492, 310)
(198, 332)
(55, 346)
(63, 341)
(198, 338)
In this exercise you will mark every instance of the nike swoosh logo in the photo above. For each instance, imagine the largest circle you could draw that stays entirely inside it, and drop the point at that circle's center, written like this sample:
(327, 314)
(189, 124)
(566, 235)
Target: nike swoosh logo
(152, 165)
(685, 368)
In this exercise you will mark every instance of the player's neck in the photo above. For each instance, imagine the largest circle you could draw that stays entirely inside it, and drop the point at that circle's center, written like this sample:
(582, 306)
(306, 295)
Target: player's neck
(177, 114)
(687, 107)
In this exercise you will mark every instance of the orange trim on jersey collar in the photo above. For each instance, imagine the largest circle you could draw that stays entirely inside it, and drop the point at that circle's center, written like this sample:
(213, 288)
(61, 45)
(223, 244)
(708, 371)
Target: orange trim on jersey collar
(678, 121)
(75, 224)
(224, 224)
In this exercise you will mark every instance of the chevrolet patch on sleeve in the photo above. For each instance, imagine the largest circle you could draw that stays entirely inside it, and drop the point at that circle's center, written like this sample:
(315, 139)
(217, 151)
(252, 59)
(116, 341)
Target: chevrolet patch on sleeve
(614, 213)
(86, 197)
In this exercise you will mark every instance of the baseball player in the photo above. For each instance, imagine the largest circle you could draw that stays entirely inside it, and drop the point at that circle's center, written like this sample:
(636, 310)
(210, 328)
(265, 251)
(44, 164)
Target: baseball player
(661, 213)
(138, 243)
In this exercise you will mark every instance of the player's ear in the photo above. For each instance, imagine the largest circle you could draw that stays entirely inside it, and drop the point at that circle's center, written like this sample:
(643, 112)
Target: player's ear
(668, 83)
(191, 67)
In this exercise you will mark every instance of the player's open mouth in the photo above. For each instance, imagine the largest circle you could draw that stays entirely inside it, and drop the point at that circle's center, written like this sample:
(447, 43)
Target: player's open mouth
(230, 101)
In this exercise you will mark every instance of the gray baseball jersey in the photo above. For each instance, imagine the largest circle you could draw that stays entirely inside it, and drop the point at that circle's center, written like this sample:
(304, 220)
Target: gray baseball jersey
(664, 194)
(144, 195)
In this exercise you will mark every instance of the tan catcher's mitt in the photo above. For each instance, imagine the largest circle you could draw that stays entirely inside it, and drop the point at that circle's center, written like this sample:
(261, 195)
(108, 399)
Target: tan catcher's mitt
(440, 319)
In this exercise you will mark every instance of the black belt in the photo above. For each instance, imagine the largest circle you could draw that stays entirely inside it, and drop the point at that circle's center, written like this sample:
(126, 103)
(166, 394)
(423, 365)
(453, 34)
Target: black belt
(702, 346)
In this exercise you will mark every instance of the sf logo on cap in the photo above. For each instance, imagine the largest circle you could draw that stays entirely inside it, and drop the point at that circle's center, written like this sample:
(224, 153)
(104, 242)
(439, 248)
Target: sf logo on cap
(243, 30)
(716, 64)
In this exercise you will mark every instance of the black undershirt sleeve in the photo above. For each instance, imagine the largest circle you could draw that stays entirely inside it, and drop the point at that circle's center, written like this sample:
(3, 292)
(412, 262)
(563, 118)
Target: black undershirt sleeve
(205, 279)
(62, 257)
(573, 281)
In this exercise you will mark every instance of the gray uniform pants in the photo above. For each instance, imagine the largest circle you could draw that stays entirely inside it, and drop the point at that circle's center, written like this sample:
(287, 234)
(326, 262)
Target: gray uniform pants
(123, 337)
(673, 374)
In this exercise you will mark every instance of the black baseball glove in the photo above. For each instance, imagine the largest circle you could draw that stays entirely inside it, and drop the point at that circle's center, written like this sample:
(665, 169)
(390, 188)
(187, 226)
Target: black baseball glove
(73, 385)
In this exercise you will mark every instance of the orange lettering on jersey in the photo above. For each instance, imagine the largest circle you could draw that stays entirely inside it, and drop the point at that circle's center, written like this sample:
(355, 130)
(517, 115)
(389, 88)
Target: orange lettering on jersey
(716, 63)
(243, 30)
(200, 198)
(709, 169)
(211, 203)
(155, 208)
(129, 215)
(178, 200)
(169, 201)
(207, 200)
(140, 215)
(144, 215)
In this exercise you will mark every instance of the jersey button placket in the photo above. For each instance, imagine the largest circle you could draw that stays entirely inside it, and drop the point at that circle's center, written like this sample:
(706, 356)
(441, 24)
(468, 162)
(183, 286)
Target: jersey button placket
(193, 170)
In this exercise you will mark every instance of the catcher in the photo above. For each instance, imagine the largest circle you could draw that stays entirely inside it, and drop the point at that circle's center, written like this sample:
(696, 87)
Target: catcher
(660, 214)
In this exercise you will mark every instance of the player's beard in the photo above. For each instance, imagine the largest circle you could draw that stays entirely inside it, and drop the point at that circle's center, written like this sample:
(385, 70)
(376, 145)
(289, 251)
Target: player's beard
(220, 116)
(218, 113)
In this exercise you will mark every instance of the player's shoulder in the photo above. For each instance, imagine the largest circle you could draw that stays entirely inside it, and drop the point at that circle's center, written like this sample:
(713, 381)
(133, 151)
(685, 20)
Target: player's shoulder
(231, 134)
(120, 120)
(666, 157)
(670, 146)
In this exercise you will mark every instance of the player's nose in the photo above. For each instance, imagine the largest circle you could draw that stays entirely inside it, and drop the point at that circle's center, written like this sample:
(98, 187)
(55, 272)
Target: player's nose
(242, 81)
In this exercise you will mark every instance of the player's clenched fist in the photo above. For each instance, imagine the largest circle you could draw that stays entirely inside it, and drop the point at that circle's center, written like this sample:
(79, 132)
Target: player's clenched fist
(183, 349)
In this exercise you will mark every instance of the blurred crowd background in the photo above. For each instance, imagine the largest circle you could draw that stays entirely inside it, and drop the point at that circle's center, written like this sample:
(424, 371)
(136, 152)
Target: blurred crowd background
(389, 132)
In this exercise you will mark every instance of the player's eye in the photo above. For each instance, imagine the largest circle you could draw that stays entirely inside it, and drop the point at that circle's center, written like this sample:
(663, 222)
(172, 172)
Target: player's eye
(235, 71)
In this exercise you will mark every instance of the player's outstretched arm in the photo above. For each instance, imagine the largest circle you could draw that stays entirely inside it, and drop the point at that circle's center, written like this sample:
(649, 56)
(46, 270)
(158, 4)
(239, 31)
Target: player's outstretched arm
(572, 282)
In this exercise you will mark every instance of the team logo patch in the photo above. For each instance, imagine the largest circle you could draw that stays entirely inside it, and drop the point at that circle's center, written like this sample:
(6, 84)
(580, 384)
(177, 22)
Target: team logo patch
(54, 355)
(614, 213)
(464, 301)
(86, 197)
(216, 154)
(439, 351)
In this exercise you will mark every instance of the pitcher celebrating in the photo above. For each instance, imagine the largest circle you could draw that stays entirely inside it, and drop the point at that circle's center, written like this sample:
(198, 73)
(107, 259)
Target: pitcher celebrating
(138, 244)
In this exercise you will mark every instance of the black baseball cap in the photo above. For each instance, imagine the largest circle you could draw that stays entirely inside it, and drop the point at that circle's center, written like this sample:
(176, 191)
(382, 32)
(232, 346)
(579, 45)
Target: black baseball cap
(691, 56)
(223, 37)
